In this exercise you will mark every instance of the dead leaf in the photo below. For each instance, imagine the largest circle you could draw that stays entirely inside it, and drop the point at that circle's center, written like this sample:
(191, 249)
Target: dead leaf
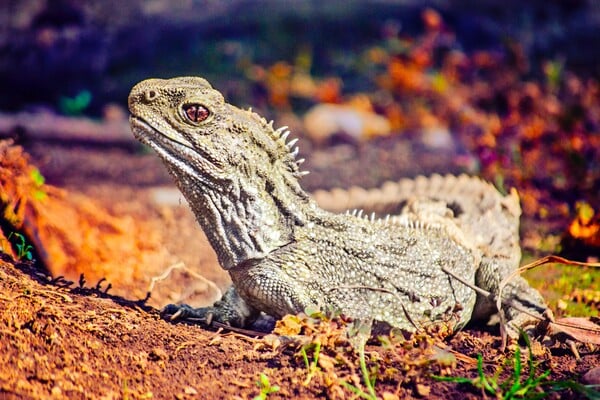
(289, 325)
(580, 329)
(423, 390)
(390, 396)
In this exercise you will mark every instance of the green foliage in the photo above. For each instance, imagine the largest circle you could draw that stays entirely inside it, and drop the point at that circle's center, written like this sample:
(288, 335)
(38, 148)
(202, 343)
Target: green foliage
(38, 180)
(439, 83)
(562, 284)
(37, 177)
(75, 105)
(500, 184)
(311, 365)
(24, 250)
(554, 71)
(515, 387)
(265, 387)
(368, 378)
(587, 391)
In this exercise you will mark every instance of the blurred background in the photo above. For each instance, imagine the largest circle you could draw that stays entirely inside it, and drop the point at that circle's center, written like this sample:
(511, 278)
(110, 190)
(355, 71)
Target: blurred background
(377, 90)
(504, 89)
(55, 50)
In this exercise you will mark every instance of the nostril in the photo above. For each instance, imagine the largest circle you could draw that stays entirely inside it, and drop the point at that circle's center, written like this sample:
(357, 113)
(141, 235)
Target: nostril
(150, 94)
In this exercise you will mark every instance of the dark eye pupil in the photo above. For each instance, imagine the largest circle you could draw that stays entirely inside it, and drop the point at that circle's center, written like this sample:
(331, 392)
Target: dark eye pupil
(196, 112)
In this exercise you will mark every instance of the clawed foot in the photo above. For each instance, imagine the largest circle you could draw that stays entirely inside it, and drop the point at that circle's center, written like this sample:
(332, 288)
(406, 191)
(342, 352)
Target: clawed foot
(528, 324)
(231, 310)
(184, 312)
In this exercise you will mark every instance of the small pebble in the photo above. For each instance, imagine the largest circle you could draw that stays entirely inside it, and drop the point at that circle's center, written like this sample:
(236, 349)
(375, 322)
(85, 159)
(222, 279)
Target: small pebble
(324, 120)
(592, 377)
(437, 138)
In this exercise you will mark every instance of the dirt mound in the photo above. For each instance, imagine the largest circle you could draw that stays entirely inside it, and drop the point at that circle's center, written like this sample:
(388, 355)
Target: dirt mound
(82, 343)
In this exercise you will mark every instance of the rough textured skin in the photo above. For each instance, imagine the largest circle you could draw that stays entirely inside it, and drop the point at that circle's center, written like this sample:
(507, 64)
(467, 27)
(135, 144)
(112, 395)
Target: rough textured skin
(284, 253)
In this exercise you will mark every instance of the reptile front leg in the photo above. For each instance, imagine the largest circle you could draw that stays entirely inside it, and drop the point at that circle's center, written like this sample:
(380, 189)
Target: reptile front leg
(257, 285)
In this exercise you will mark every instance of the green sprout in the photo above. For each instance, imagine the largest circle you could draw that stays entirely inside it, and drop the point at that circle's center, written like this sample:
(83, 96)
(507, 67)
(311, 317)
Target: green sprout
(515, 387)
(311, 366)
(24, 250)
(265, 387)
(368, 378)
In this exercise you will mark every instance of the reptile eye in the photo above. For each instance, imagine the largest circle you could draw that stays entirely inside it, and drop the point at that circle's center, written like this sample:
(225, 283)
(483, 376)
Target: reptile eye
(196, 112)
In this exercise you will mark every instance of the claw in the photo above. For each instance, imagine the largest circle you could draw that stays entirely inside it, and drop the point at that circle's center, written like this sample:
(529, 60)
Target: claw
(177, 314)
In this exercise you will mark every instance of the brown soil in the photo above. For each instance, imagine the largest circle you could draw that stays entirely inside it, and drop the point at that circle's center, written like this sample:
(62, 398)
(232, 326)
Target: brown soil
(68, 341)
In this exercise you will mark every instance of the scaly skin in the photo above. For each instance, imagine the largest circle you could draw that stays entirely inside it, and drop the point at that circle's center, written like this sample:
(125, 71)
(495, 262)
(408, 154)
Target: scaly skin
(285, 254)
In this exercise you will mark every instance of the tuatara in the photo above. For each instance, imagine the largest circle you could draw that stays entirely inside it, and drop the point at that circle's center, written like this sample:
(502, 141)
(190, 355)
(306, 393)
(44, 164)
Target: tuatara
(285, 253)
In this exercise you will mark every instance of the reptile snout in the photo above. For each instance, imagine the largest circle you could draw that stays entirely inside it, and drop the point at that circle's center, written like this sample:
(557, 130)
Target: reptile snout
(144, 92)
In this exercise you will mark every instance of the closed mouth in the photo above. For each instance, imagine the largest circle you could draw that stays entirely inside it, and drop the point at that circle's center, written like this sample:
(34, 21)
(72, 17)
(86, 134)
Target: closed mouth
(174, 151)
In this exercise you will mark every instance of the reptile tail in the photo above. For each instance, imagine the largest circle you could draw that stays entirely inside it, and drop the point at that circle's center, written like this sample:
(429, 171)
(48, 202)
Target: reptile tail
(483, 213)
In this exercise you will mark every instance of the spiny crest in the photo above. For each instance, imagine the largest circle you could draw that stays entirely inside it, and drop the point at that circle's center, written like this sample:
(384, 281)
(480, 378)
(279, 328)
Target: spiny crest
(418, 224)
(402, 220)
(358, 213)
(407, 222)
(280, 136)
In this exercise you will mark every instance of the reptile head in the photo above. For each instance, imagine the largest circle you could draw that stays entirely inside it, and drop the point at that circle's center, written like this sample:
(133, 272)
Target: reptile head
(238, 173)
(186, 120)
(182, 119)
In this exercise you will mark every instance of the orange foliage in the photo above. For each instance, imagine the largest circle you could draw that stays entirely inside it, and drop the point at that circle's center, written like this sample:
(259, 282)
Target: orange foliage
(522, 131)
(432, 19)
(586, 226)
(71, 233)
(328, 91)
(406, 76)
